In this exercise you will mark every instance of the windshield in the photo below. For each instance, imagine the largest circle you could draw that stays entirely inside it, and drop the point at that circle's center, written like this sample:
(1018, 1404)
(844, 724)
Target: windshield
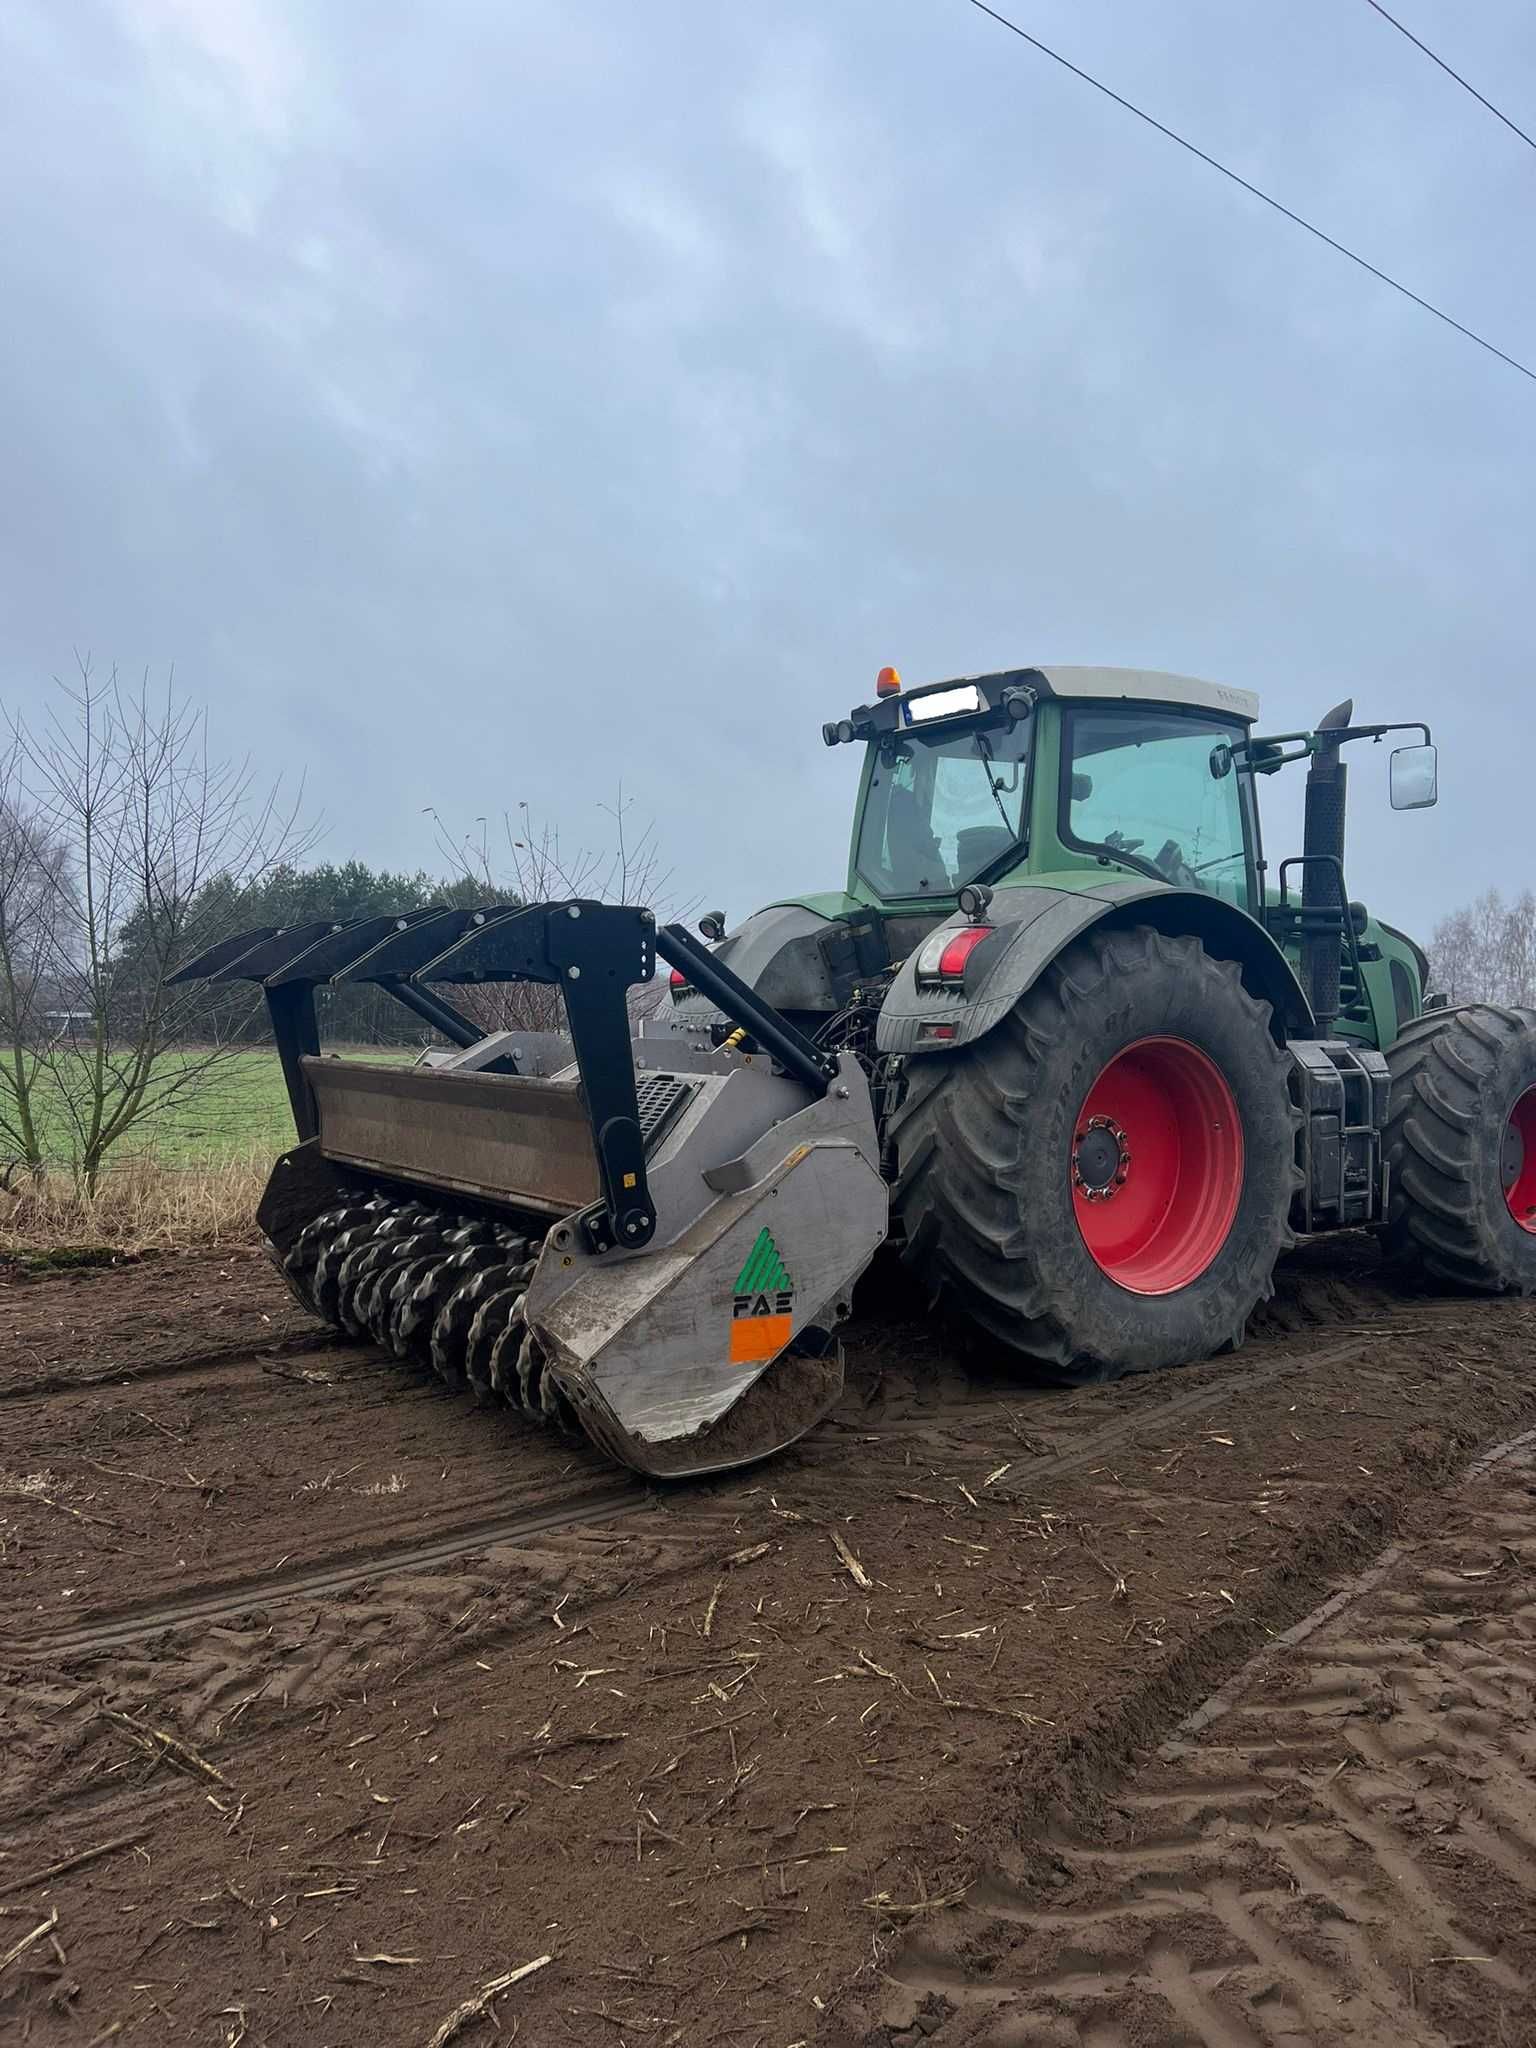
(1142, 784)
(941, 807)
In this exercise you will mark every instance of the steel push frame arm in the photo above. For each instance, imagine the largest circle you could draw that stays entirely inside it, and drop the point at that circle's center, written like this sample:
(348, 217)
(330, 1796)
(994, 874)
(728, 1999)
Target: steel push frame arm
(593, 952)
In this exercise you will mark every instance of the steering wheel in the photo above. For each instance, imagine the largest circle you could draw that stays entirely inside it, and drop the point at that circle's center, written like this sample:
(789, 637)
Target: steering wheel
(1170, 862)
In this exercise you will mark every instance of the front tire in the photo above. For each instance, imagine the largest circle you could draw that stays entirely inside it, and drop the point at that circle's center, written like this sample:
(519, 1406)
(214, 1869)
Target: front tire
(1104, 1181)
(1461, 1146)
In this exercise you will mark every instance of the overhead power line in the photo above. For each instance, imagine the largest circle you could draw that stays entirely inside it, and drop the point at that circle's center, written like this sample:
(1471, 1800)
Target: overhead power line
(1513, 126)
(1254, 190)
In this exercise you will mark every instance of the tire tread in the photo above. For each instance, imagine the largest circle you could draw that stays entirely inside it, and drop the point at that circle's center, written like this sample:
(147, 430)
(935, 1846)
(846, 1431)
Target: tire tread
(1442, 1065)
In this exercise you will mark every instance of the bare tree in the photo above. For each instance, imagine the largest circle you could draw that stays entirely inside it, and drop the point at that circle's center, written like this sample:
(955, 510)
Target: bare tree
(1486, 951)
(120, 820)
(1519, 949)
(527, 862)
(34, 874)
(1452, 953)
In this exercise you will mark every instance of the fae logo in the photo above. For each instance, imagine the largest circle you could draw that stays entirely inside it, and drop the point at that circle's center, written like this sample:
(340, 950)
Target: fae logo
(762, 1305)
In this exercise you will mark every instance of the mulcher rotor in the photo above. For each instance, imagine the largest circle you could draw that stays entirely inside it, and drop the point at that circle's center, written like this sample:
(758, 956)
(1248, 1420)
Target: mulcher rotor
(438, 1289)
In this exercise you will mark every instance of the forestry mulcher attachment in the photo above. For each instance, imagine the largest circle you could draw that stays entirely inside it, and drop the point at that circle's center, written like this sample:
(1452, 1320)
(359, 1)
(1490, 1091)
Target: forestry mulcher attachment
(593, 1228)
(1106, 1066)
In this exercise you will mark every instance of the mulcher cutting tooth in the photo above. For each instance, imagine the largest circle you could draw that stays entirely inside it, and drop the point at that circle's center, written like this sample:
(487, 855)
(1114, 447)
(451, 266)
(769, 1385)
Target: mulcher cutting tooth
(530, 1374)
(366, 1258)
(356, 1268)
(431, 1295)
(501, 1363)
(298, 1267)
(374, 1300)
(451, 1328)
(326, 1283)
(396, 1311)
(491, 1318)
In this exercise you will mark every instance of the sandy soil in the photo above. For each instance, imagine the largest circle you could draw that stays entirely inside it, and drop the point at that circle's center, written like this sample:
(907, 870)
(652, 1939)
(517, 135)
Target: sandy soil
(351, 1699)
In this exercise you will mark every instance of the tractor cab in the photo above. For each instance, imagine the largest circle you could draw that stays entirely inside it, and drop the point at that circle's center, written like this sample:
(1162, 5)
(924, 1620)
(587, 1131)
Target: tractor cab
(1070, 779)
(1057, 799)
(1001, 779)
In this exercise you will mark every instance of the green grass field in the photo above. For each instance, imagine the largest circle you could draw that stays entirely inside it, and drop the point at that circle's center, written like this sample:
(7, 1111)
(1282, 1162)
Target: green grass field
(240, 1113)
(243, 1110)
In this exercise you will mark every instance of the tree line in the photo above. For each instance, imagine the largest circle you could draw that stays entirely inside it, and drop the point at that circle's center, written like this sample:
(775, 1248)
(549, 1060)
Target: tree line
(294, 893)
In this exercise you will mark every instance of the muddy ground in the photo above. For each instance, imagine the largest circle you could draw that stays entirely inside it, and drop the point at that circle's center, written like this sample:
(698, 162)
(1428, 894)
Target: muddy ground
(329, 1700)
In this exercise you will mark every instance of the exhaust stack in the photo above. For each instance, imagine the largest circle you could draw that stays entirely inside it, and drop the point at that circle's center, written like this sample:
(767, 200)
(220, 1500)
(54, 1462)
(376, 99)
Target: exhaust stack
(1324, 903)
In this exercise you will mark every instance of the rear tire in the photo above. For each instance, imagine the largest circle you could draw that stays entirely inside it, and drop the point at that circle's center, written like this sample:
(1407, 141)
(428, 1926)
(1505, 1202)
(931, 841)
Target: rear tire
(1461, 1145)
(1021, 1203)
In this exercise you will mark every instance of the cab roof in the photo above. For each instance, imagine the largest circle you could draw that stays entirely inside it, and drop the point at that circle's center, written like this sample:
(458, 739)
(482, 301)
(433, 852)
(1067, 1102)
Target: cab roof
(1008, 692)
(1149, 685)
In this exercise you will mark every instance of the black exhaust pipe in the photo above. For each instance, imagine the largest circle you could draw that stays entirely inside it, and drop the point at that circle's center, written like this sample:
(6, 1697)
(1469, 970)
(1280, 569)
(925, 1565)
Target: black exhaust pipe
(1324, 905)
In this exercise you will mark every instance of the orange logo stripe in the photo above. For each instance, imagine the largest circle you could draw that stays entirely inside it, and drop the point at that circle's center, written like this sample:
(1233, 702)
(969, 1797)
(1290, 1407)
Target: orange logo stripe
(755, 1338)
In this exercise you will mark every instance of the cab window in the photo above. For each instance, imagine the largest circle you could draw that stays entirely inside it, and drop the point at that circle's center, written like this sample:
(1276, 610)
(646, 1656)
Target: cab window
(1143, 785)
(941, 806)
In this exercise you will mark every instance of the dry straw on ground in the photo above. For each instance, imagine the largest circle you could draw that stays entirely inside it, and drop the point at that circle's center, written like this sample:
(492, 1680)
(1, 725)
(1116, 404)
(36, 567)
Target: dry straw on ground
(140, 1205)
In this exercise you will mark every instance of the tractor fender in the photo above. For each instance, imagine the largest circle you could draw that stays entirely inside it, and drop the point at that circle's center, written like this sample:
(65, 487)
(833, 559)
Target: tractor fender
(775, 951)
(1033, 922)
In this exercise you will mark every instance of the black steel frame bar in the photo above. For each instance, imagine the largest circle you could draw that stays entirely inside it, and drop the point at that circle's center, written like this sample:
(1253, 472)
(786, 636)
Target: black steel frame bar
(745, 1007)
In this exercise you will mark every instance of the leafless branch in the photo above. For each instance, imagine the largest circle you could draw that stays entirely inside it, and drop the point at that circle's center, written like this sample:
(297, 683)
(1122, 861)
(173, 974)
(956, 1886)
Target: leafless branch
(530, 863)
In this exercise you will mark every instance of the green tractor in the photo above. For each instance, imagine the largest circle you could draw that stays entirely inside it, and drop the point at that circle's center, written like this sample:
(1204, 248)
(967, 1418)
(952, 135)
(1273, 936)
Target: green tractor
(1064, 1031)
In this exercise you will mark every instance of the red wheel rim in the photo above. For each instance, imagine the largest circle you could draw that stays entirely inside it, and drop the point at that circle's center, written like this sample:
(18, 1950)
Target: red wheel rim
(1517, 1161)
(1157, 1165)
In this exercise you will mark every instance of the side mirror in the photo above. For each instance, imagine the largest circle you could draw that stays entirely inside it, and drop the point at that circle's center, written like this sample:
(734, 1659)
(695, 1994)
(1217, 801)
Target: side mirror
(1413, 778)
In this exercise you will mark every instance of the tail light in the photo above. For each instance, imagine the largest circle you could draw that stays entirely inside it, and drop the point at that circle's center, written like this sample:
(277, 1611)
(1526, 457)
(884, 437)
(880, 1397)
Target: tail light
(944, 955)
(679, 984)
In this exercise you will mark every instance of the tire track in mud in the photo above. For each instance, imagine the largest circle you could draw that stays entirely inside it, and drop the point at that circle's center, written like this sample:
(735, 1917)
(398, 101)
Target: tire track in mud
(423, 1599)
(1338, 1847)
(431, 1601)
(44, 1385)
(137, 1622)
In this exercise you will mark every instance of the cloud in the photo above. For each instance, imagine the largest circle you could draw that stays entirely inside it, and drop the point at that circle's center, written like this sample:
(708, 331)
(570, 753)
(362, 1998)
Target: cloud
(484, 403)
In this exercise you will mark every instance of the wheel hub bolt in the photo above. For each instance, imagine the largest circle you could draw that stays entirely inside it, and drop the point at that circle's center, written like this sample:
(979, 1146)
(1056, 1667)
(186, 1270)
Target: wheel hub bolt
(1101, 1159)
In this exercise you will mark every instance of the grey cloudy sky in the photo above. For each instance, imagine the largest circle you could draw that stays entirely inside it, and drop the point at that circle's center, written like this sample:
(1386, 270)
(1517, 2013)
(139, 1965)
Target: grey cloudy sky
(487, 400)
